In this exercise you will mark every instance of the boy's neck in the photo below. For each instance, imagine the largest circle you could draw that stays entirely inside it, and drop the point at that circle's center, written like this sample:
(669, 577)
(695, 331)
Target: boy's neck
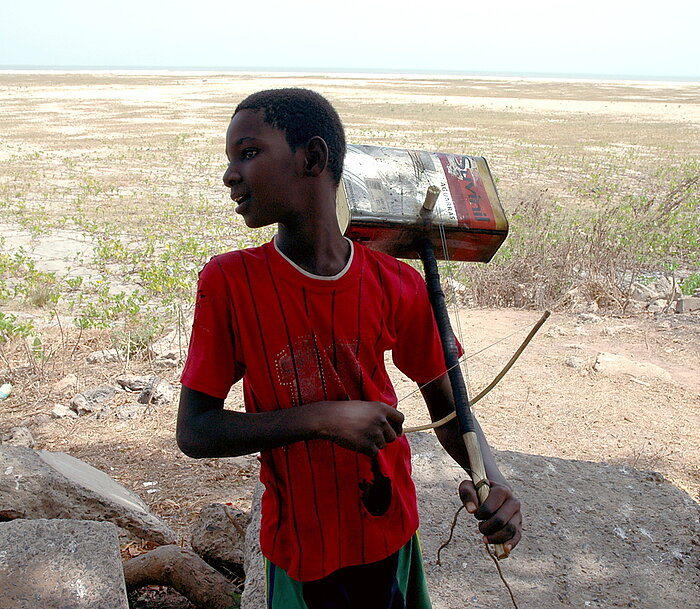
(315, 242)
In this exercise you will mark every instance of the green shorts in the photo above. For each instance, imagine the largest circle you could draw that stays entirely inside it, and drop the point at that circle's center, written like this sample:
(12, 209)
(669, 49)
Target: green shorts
(397, 582)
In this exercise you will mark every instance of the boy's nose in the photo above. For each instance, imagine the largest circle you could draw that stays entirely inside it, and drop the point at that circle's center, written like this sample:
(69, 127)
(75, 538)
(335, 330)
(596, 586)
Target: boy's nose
(231, 176)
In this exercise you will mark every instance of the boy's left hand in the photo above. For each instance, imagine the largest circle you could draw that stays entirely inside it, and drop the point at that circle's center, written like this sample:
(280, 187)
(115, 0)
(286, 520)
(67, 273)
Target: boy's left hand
(500, 513)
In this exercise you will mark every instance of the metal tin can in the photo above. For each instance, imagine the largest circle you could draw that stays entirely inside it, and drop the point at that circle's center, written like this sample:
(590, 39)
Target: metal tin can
(381, 195)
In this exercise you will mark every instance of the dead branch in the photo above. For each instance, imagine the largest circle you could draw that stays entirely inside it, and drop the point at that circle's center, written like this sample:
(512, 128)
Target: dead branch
(184, 571)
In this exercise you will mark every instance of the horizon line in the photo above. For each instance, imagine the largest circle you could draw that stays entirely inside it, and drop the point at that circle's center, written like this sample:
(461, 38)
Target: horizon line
(352, 71)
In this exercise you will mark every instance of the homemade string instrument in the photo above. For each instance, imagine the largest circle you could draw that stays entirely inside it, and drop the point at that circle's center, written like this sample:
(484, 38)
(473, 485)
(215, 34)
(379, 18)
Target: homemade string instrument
(412, 204)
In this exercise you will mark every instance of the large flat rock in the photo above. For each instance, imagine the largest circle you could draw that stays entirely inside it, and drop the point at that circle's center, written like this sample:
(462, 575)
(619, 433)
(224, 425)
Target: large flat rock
(596, 535)
(43, 484)
(60, 564)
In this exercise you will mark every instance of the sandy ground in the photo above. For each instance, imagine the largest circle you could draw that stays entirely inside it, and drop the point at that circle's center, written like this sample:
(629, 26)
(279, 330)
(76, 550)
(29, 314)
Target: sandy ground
(553, 410)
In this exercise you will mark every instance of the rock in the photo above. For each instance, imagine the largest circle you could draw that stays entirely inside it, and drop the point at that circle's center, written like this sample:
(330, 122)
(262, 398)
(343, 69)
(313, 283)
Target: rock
(91, 400)
(658, 305)
(105, 356)
(129, 411)
(19, 436)
(218, 535)
(164, 362)
(556, 331)
(172, 346)
(634, 306)
(79, 404)
(42, 484)
(589, 318)
(133, 382)
(61, 411)
(55, 564)
(70, 381)
(157, 392)
(567, 533)
(643, 293)
(575, 362)
(253, 596)
(615, 330)
(611, 364)
(36, 420)
(668, 288)
(687, 304)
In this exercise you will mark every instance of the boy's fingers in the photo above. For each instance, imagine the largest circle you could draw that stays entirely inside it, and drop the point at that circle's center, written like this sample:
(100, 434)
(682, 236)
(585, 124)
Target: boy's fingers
(508, 513)
(467, 493)
(499, 497)
(509, 536)
(395, 419)
(390, 433)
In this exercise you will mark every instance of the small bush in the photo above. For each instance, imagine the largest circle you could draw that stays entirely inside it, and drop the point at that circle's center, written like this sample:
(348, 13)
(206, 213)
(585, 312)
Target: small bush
(556, 258)
(11, 328)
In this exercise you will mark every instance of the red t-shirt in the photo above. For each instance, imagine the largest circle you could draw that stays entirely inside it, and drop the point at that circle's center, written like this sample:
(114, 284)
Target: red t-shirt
(295, 338)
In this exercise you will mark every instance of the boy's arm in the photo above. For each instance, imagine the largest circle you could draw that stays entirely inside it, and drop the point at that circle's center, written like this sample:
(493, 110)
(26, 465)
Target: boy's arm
(206, 429)
(500, 513)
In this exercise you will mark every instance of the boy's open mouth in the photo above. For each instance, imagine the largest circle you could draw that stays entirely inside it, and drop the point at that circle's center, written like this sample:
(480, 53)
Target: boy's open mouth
(239, 198)
(240, 201)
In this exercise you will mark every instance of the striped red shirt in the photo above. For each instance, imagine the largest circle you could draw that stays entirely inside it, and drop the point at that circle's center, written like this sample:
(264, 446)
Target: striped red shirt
(295, 338)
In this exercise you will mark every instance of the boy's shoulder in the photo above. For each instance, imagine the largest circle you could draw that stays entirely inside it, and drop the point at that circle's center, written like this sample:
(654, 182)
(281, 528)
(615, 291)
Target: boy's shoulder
(228, 258)
(390, 264)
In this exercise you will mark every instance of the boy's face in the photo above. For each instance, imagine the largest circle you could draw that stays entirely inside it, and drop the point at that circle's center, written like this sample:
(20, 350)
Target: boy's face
(263, 172)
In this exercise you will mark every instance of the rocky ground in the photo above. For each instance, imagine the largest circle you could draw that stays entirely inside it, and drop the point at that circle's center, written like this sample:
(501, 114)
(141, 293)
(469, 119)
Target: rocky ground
(576, 430)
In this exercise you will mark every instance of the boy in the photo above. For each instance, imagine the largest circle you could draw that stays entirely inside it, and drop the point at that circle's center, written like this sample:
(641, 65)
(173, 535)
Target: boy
(305, 321)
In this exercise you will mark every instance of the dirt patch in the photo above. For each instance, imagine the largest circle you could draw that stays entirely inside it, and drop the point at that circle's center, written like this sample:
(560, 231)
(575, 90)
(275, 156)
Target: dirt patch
(543, 411)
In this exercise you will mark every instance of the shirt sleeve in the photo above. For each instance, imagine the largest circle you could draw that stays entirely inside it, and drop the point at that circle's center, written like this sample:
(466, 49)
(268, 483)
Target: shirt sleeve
(213, 360)
(418, 352)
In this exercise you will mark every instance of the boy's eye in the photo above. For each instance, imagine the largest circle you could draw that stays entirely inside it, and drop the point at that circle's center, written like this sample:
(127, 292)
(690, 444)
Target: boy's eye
(248, 154)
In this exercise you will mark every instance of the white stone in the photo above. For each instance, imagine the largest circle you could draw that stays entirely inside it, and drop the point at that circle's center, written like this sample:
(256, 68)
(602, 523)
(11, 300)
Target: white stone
(105, 356)
(60, 411)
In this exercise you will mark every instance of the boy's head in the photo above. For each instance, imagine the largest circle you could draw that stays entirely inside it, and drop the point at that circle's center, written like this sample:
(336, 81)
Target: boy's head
(302, 114)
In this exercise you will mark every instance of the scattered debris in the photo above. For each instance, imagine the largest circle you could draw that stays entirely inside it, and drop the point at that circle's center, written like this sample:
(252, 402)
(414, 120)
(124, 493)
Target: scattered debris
(157, 391)
(105, 356)
(92, 400)
(19, 436)
(5, 391)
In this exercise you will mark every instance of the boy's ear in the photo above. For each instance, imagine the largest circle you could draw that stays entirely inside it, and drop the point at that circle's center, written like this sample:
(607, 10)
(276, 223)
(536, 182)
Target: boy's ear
(316, 158)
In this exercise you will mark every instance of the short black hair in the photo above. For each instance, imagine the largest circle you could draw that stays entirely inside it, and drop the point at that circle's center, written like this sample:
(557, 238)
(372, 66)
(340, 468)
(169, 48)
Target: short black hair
(302, 114)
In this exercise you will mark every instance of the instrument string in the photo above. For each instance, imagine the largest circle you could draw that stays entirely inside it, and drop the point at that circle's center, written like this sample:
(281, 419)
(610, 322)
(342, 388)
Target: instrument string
(465, 374)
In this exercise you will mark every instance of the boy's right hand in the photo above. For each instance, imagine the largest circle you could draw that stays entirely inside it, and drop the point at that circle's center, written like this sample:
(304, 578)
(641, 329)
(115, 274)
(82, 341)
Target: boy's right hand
(365, 427)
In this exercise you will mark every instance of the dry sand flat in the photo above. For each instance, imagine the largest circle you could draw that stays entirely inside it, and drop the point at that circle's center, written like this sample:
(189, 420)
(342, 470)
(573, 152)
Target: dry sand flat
(125, 148)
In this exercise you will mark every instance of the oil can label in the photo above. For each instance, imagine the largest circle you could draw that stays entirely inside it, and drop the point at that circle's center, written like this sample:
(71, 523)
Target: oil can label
(390, 184)
(467, 189)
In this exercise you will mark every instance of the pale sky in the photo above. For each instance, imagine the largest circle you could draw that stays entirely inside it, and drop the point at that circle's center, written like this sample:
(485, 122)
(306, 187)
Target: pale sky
(599, 37)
